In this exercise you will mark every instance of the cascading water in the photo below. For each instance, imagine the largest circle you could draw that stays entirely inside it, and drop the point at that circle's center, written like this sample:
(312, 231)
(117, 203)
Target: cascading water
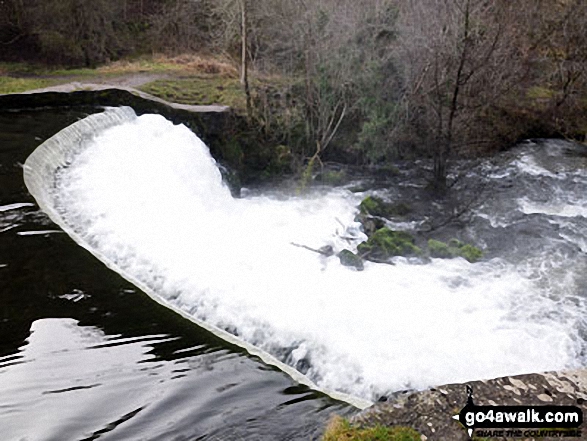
(149, 198)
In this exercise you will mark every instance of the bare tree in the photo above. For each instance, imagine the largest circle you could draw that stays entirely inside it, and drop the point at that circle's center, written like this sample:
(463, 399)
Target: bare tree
(458, 63)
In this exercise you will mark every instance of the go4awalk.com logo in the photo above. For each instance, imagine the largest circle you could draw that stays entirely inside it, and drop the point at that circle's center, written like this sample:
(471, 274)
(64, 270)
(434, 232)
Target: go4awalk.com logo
(520, 421)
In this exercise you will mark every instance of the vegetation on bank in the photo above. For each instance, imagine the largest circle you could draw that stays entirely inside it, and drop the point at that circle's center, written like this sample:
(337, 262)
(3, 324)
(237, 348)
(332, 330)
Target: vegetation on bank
(340, 429)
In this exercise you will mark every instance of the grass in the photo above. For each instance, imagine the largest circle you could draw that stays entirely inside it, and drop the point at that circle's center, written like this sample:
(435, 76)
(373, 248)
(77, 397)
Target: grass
(340, 429)
(188, 78)
(16, 85)
(199, 90)
(182, 64)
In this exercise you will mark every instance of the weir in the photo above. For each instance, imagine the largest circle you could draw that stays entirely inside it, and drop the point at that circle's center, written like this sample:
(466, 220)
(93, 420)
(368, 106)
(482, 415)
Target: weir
(56, 153)
(146, 198)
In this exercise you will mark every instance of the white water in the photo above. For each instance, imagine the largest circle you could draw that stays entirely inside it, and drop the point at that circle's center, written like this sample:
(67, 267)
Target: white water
(148, 195)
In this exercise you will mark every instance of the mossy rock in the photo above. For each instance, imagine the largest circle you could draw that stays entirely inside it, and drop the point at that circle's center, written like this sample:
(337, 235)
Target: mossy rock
(454, 248)
(374, 206)
(440, 249)
(400, 209)
(348, 258)
(471, 253)
(386, 243)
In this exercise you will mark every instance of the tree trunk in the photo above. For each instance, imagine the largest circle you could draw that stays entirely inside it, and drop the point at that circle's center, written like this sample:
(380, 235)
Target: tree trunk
(244, 55)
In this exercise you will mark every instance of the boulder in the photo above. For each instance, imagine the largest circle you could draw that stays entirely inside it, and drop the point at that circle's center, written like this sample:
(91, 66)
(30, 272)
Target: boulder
(348, 258)
(386, 243)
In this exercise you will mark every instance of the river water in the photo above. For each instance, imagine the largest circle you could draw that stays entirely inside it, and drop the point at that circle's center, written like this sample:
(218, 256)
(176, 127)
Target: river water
(148, 196)
(85, 355)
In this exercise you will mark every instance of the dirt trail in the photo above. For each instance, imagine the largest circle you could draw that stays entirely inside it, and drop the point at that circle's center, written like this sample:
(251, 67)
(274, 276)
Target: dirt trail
(127, 82)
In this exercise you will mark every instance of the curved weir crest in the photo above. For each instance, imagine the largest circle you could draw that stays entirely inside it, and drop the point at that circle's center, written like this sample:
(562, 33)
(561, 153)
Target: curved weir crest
(146, 198)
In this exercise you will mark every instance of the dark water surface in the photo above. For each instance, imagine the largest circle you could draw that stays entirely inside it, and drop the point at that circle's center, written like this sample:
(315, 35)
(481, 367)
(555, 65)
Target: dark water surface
(84, 355)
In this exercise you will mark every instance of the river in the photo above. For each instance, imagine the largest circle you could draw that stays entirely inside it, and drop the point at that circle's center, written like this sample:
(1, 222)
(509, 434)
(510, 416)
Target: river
(147, 196)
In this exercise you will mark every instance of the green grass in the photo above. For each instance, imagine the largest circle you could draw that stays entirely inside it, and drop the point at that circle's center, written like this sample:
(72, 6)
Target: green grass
(17, 85)
(340, 429)
(199, 90)
(187, 64)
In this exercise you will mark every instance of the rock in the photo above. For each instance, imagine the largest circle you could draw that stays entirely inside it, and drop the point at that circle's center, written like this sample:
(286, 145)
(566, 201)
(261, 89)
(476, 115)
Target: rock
(471, 253)
(370, 223)
(348, 258)
(454, 248)
(440, 249)
(430, 411)
(231, 179)
(386, 243)
(374, 206)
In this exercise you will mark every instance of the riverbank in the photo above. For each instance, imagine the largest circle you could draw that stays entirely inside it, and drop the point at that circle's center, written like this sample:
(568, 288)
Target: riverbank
(146, 74)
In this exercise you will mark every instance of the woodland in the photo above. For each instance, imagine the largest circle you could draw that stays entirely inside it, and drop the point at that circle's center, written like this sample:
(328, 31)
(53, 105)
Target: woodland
(361, 81)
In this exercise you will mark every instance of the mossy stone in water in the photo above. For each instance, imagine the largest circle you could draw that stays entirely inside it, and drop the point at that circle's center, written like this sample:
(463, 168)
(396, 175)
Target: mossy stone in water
(471, 253)
(386, 243)
(348, 258)
(440, 249)
(374, 206)
(454, 248)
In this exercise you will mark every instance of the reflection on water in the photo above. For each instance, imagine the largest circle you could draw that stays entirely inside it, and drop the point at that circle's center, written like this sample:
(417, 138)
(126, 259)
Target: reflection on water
(75, 382)
(84, 355)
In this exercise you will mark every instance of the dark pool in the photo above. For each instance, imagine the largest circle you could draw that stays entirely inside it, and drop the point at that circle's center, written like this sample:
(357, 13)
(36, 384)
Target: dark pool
(84, 355)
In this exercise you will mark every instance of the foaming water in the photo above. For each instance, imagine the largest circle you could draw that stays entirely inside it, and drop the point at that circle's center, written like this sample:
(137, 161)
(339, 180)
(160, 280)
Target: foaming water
(149, 197)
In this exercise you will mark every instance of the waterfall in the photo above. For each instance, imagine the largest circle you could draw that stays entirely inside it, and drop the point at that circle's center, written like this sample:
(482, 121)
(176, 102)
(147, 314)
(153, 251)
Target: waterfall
(146, 198)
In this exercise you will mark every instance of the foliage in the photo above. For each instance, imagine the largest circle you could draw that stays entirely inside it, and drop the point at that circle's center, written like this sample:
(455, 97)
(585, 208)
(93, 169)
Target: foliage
(340, 429)
(333, 177)
(362, 81)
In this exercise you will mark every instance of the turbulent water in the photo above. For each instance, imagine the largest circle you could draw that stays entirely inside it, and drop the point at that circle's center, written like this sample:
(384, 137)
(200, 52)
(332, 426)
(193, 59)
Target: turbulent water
(148, 195)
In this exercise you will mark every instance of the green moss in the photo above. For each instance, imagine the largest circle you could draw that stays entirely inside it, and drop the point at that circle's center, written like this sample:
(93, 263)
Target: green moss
(471, 253)
(386, 243)
(340, 429)
(374, 206)
(200, 90)
(455, 243)
(348, 258)
(440, 249)
(455, 248)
